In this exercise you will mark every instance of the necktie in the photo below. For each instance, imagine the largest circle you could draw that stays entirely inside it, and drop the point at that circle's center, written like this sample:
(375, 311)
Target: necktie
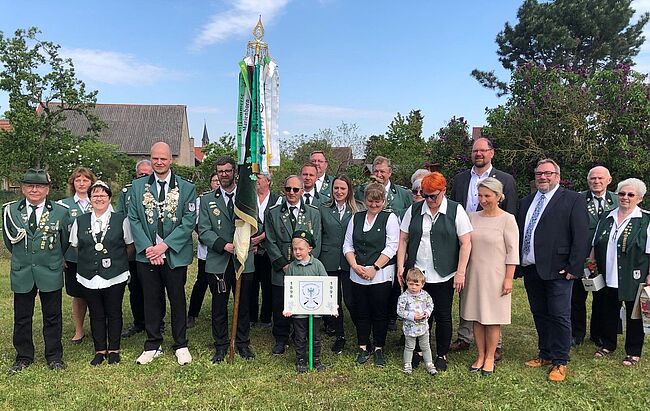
(32, 218)
(161, 199)
(531, 225)
(307, 196)
(600, 206)
(231, 204)
(292, 217)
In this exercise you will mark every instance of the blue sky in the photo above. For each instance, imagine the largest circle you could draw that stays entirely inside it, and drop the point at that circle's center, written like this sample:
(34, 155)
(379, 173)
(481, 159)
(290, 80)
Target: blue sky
(355, 61)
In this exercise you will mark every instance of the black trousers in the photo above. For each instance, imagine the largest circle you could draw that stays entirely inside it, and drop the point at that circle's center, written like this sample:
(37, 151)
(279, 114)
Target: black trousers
(261, 280)
(136, 296)
(442, 295)
(372, 312)
(105, 306)
(220, 307)
(607, 300)
(344, 294)
(281, 324)
(198, 290)
(52, 324)
(579, 314)
(301, 337)
(155, 280)
(550, 304)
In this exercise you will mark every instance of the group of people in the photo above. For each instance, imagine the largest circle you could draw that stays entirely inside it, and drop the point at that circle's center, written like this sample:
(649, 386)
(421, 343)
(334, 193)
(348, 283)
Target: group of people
(375, 239)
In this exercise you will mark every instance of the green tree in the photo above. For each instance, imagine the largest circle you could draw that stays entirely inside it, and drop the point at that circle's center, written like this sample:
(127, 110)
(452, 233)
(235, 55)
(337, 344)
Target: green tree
(579, 34)
(451, 148)
(42, 88)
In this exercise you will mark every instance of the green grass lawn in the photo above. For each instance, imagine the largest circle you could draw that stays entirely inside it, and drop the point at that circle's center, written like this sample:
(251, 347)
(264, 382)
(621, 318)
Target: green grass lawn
(270, 382)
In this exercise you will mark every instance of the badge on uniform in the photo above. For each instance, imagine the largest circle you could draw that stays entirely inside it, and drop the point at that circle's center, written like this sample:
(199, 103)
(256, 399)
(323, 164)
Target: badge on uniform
(636, 274)
(106, 262)
(191, 206)
(73, 212)
(216, 212)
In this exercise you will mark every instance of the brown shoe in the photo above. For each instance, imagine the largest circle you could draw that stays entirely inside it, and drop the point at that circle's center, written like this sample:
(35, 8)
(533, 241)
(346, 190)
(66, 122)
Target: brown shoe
(537, 362)
(558, 373)
(459, 345)
(498, 354)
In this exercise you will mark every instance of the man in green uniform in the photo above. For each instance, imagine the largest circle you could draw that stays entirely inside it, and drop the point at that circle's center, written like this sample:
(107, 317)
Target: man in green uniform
(36, 234)
(280, 223)
(324, 181)
(397, 197)
(162, 212)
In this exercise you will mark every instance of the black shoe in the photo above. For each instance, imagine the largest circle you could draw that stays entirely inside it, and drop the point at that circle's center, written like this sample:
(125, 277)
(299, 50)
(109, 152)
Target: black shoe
(245, 352)
(318, 366)
(264, 325)
(363, 356)
(191, 321)
(219, 355)
(114, 358)
(301, 365)
(392, 325)
(487, 373)
(78, 340)
(576, 341)
(18, 366)
(131, 331)
(56, 365)
(379, 358)
(279, 348)
(441, 363)
(330, 331)
(98, 358)
(339, 344)
(417, 359)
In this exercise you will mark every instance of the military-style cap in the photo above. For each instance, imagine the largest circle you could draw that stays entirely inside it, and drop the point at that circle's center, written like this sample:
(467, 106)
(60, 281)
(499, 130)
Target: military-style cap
(305, 235)
(36, 176)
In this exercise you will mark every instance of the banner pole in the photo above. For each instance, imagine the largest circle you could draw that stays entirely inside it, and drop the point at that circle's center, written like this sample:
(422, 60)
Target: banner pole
(311, 342)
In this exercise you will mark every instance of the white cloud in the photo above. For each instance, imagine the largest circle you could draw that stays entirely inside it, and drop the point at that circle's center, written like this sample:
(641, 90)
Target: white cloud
(204, 109)
(337, 113)
(286, 133)
(643, 58)
(111, 67)
(239, 19)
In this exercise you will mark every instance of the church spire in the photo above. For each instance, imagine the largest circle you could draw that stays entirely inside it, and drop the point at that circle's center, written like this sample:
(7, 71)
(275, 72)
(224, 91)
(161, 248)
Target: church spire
(205, 140)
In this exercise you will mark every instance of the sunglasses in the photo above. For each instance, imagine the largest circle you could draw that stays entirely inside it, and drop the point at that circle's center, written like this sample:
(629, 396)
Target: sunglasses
(623, 194)
(416, 192)
(290, 189)
(433, 197)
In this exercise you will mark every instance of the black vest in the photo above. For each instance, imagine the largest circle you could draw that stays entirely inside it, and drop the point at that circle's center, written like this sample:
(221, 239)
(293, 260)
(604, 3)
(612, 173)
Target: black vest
(91, 261)
(369, 245)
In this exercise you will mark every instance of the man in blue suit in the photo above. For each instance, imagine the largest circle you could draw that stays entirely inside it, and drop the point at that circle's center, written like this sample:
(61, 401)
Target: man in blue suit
(553, 228)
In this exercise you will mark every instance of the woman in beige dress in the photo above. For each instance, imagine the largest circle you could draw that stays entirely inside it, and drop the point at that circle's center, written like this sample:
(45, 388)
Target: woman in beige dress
(495, 253)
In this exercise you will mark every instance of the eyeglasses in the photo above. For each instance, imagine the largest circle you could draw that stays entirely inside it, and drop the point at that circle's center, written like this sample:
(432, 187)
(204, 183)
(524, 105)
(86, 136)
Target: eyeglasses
(290, 189)
(35, 186)
(433, 197)
(481, 150)
(225, 171)
(416, 192)
(99, 196)
(623, 194)
(545, 173)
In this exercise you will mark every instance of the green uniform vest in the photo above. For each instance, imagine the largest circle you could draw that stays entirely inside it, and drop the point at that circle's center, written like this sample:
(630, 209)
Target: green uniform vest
(631, 257)
(444, 239)
(369, 245)
(92, 262)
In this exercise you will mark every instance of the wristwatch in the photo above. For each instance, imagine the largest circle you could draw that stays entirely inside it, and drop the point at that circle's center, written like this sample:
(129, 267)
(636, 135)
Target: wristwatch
(376, 267)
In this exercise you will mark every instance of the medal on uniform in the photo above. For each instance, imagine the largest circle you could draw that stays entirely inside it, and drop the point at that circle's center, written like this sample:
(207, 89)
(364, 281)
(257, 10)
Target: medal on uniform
(43, 245)
(99, 247)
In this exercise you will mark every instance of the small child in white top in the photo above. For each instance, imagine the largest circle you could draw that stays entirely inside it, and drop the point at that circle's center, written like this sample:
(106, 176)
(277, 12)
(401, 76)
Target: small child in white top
(415, 307)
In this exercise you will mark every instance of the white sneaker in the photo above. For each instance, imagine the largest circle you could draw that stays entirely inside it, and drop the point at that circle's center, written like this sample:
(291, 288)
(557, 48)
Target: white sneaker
(431, 369)
(183, 356)
(147, 356)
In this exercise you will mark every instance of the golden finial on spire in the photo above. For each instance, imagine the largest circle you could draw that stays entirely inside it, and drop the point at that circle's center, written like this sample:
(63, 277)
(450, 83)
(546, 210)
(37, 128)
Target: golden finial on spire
(258, 30)
(257, 48)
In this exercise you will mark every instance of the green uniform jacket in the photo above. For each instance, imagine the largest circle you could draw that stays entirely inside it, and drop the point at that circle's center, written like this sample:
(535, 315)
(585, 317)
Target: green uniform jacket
(144, 219)
(216, 229)
(331, 254)
(318, 199)
(37, 258)
(326, 188)
(279, 233)
(123, 202)
(399, 198)
(630, 249)
(75, 211)
(610, 203)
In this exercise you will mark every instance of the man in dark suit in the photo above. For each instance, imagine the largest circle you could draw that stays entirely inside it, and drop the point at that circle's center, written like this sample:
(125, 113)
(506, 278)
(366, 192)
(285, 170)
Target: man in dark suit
(310, 195)
(324, 181)
(465, 191)
(599, 203)
(553, 231)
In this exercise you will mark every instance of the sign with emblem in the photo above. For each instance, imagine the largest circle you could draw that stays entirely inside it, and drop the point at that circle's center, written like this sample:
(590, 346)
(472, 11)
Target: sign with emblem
(315, 295)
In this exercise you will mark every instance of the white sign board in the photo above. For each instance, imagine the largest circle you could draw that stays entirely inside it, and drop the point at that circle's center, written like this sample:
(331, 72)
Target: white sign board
(316, 295)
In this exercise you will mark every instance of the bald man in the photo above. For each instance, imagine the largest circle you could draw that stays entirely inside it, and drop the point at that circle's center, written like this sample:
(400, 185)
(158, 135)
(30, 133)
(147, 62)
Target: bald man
(599, 203)
(162, 214)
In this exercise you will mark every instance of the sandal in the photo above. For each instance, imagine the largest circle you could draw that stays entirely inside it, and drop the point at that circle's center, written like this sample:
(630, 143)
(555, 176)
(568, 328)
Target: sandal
(630, 360)
(602, 352)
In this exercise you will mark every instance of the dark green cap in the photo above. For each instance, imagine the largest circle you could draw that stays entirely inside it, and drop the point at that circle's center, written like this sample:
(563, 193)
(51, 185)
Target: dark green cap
(36, 176)
(305, 235)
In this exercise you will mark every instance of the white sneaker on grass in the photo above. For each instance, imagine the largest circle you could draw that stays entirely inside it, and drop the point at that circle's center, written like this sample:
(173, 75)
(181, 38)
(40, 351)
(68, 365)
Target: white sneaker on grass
(183, 356)
(147, 356)
(431, 369)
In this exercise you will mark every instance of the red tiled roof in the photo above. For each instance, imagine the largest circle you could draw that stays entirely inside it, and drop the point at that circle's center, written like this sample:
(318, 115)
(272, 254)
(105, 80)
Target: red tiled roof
(198, 154)
(5, 125)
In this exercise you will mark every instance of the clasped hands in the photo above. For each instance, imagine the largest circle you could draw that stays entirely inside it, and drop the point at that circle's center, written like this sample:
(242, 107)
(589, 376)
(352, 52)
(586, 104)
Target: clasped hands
(367, 273)
(155, 253)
